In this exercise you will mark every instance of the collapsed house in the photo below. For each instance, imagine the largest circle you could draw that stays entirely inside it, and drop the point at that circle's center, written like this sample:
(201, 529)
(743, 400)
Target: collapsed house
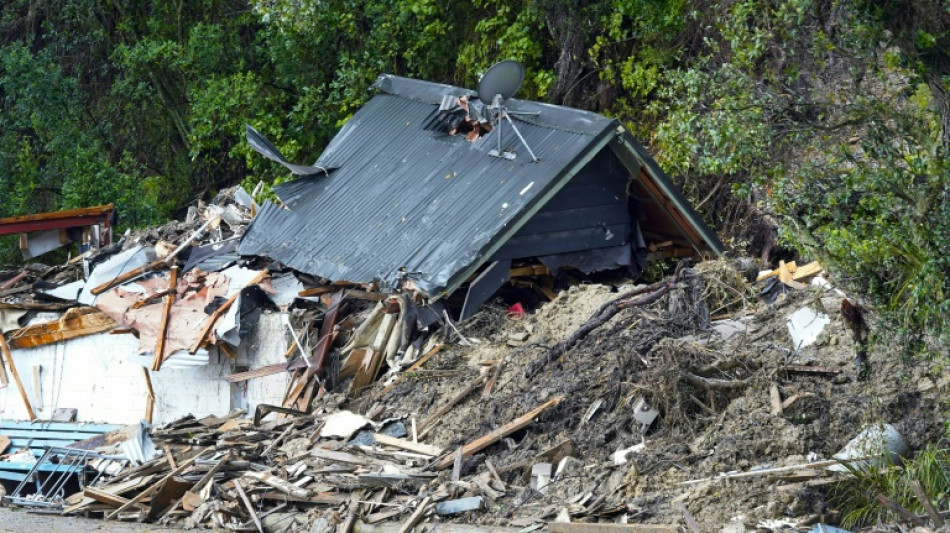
(245, 305)
(401, 198)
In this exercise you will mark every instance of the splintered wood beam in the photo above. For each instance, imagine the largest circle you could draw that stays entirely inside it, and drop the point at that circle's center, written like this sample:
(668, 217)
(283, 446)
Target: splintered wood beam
(219, 312)
(494, 436)
(248, 505)
(430, 421)
(416, 366)
(155, 487)
(131, 274)
(154, 265)
(77, 322)
(5, 349)
(159, 357)
(150, 397)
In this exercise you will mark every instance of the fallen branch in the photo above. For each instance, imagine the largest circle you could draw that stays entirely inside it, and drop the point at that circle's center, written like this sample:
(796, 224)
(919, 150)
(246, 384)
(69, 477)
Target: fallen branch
(607, 311)
(714, 383)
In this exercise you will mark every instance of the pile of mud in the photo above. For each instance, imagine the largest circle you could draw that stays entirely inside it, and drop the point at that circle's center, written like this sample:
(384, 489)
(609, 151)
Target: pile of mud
(710, 382)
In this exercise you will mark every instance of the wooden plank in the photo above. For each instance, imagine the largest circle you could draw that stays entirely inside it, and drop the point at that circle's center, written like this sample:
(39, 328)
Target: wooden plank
(247, 504)
(533, 270)
(584, 527)
(806, 271)
(403, 444)
(925, 502)
(496, 435)
(150, 396)
(896, 508)
(131, 274)
(5, 351)
(14, 280)
(776, 399)
(416, 366)
(77, 322)
(160, 483)
(219, 312)
(804, 369)
(430, 421)
(107, 498)
(263, 371)
(96, 211)
(159, 356)
(415, 516)
(114, 489)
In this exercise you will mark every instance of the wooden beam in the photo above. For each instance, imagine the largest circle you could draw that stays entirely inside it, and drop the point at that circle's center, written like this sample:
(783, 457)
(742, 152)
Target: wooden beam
(585, 527)
(159, 356)
(77, 322)
(107, 498)
(5, 349)
(403, 444)
(155, 487)
(219, 312)
(150, 397)
(430, 421)
(494, 436)
(415, 366)
(247, 504)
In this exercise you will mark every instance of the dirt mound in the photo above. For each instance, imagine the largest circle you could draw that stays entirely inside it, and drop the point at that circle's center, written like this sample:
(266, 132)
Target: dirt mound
(711, 383)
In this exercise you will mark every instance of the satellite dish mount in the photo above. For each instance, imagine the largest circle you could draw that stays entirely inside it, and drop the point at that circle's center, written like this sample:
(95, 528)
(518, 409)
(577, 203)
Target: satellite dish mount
(499, 84)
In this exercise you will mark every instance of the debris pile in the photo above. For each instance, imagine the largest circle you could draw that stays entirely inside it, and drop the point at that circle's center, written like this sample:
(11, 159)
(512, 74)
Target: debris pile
(690, 401)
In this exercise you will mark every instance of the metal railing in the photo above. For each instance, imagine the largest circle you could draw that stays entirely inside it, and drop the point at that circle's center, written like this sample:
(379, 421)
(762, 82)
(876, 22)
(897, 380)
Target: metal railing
(55, 468)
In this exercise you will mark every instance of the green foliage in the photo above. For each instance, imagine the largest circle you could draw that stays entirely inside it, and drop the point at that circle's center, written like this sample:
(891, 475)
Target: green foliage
(856, 497)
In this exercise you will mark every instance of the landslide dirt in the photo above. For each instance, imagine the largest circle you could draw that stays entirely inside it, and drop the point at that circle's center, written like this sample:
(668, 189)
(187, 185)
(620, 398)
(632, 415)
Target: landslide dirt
(702, 431)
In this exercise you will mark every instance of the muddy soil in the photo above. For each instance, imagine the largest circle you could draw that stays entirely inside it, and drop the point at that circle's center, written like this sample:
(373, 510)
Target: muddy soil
(720, 422)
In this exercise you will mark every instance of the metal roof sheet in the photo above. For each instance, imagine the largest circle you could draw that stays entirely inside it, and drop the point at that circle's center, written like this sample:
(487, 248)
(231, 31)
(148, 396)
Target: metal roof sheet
(407, 202)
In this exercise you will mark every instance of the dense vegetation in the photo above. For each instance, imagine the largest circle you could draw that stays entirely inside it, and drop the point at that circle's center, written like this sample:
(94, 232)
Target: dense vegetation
(826, 119)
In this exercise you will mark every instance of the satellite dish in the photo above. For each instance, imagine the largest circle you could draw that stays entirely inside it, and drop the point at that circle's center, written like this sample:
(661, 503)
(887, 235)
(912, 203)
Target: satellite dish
(504, 78)
(500, 83)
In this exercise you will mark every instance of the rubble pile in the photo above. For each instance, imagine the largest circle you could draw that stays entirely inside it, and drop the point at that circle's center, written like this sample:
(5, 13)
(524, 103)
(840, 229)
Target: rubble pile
(704, 400)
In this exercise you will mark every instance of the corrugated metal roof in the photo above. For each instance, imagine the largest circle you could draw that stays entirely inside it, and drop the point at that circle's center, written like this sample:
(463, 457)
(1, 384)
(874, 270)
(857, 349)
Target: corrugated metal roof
(405, 202)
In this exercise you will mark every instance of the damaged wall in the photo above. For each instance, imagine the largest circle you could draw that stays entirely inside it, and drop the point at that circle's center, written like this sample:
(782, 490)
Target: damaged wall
(95, 375)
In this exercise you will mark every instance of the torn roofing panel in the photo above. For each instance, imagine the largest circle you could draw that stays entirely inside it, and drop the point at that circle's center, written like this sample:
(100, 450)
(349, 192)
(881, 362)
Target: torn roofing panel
(408, 201)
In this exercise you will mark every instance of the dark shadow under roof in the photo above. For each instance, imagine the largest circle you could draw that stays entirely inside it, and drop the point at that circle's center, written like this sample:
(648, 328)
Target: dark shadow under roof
(408, 203)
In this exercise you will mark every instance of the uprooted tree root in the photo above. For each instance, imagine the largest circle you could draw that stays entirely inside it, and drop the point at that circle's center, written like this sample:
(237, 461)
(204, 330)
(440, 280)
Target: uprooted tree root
(691, 383)
(686, 310)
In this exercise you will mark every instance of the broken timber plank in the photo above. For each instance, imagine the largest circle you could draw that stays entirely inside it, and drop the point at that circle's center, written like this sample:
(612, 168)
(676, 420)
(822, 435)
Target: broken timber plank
(77, 322)
(279, 484)
(150, 398)
(430, 421)
(128, 276)
(263, 371)
(584, 527)
(5, 351)
(783, 266)
(247, 504)
(417, 365)
(159, 357)
(160, 483)
(219, 312)
(776, 398)
(154, 265)
(403, 444)
(811, 269)
(437, 527)
(494, 436)
(812, 369)
(108, 498)
(413, 519)
(928, 506)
